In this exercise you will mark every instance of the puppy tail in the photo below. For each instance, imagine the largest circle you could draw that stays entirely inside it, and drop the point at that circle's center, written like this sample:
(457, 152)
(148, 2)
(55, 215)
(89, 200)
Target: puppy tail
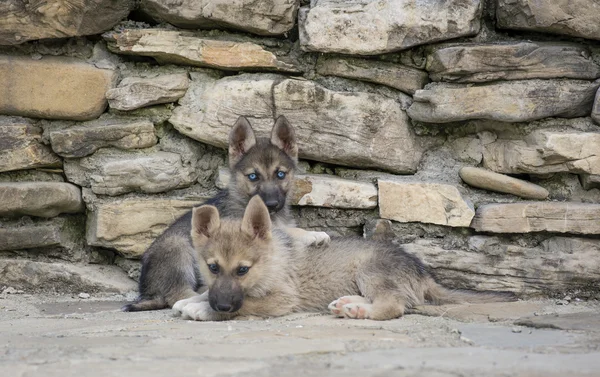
(439, 295)
(143, 305)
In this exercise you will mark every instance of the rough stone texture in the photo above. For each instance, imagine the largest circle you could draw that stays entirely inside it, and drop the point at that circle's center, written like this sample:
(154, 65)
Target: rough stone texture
(332, 192)
(526, 217)
(135, 92)
(177, 47)
(596, 108)
(511, 61)
(29, 237)
(349, 125)
(63, 277)
(24, 20)
(588, 322)
(53, 88)
(489, 180)
(513, 101)
(423, 202)
(42, 199)
(368, 27)
(267, 17)
(589, 181)
(21, 147)
(397, 76)
(574, 18)
(129, 226)
(113, 172)
(80, 141)
(544, 152)
(492, 312)
(557, 265)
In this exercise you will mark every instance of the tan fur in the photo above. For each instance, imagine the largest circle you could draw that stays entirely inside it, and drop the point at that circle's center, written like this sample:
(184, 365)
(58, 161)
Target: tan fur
(352, 278)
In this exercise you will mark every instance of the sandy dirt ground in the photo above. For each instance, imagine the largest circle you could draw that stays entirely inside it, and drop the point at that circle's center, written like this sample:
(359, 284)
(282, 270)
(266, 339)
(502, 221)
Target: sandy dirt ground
(64, 335)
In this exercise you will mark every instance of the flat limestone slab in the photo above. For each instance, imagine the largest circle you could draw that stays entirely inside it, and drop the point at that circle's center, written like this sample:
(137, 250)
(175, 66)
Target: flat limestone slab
(574, 18)
(511, 101)
(511, 61)
(526, 217)
(371, 27)
(185, 48)
(492, 312)
(21, 147)
(83, 140)
(129, 226)
(543, 152)
(266, 17)
(25, 21)
(355, 128)
(135, 92)
(42, 199)
(423, 202)
(489, 180)
(589, 322)
(406, 79)
(53, 88)
(63, 277)
(114, 172)
(553, 266)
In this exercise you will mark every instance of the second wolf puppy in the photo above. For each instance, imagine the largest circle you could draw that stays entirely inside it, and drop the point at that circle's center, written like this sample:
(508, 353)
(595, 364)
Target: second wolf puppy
(250, 270)
(259, 166)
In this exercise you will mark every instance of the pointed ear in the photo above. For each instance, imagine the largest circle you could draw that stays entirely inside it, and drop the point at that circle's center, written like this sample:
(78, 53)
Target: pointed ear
(283, 136)
(205, 222)
(256, 221)
(241, 139)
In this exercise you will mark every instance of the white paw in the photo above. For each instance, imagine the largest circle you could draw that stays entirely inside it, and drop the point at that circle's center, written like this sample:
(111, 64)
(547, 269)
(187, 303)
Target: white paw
(316, 238)
(343, 306)
(357, 311)
(200, 311)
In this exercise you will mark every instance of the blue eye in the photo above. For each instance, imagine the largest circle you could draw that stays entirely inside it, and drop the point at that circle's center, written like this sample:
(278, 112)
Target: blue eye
(242, 270)
(253, 177)
(214, 268)
(281, 174)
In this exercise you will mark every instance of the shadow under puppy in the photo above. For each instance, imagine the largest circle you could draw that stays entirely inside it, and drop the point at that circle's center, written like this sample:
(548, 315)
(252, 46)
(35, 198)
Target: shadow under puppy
(252, 268)
(259, 166)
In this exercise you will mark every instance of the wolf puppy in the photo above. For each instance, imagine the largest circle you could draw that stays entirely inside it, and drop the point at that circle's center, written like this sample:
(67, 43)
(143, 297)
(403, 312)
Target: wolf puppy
(253, 269)
(263, 167)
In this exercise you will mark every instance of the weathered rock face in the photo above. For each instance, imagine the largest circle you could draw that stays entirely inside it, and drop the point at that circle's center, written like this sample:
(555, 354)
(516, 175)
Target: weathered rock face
(397, 76)
(349, 124)
(135, 92)
(589, 181)
(423, 202)
(269, 17)
(578, 19)
(489, 180)
(84, 140)
(130, 226)
(53, 88)
(526, 217)
(113, 172)
(42, 199)
(372, 27)
(544, 152)
(557, 265)
(596, 108)
(321, 190)
(25, 21)
(169, 46)
(515, 101)
(21, 147)
(511, 61)
(51, 277)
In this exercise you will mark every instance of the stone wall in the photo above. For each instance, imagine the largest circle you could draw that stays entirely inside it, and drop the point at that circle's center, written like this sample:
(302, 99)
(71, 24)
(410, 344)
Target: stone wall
(467, 130)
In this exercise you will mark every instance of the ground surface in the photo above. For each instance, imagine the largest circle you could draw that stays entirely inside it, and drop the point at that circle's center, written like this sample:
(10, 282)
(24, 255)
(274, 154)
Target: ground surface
(68, 336)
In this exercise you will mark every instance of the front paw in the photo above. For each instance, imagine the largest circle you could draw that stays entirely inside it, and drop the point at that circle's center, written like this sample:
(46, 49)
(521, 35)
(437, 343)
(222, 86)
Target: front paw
(316, 238)
(200, 311)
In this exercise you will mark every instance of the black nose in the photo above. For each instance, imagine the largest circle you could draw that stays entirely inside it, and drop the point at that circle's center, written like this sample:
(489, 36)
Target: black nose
(223, 307)
(272, 204)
